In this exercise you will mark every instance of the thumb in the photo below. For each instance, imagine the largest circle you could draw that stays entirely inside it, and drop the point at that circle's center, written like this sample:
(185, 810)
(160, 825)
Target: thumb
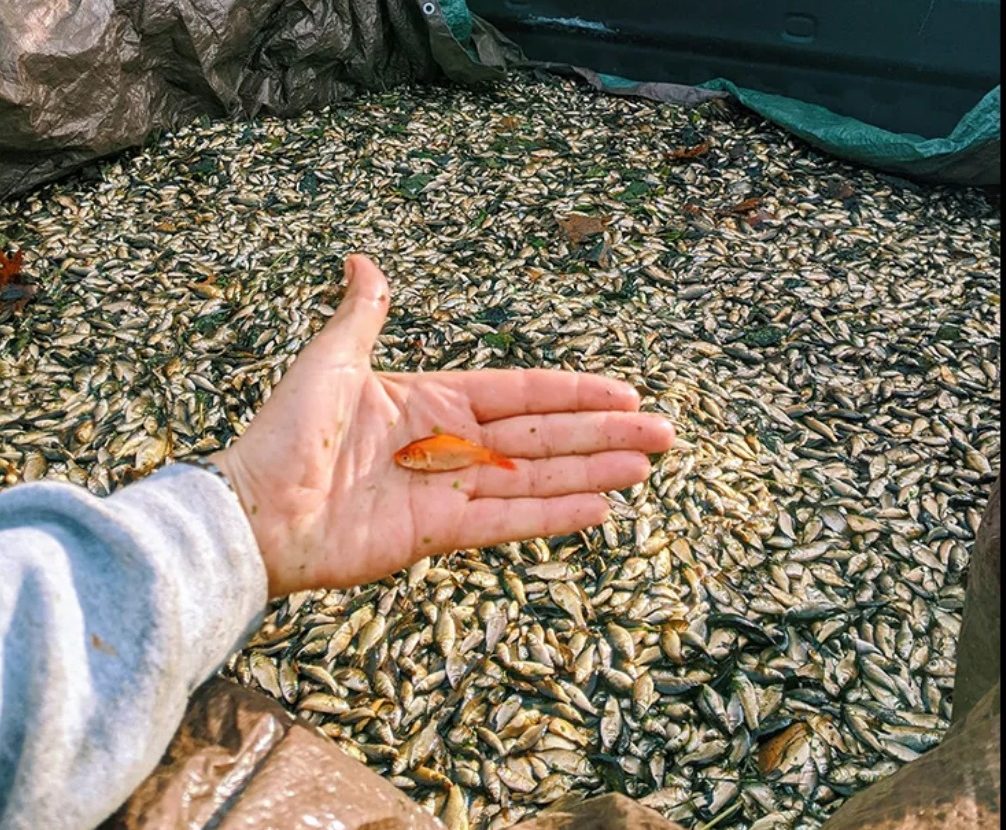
(354, 327)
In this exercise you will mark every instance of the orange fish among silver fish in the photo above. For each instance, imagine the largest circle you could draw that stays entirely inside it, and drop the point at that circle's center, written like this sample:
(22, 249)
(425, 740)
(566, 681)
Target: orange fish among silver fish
(438, 453)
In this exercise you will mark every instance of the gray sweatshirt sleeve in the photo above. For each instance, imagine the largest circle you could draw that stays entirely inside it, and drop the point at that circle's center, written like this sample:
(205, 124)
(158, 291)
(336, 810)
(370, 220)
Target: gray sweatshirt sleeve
(112, 611)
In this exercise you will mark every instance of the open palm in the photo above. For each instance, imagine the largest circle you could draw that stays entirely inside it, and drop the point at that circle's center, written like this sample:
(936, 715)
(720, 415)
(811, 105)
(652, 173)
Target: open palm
(329, 506)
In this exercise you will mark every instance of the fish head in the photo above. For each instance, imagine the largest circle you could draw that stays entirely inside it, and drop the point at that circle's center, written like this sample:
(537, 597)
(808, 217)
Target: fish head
(413, 457)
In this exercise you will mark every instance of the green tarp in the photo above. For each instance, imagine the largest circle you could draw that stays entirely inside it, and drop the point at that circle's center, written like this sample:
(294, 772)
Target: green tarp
(969, 155)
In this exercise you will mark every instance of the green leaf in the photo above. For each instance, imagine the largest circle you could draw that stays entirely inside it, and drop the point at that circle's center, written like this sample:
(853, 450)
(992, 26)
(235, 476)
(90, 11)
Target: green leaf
(493, 316)
(948, 333)
(308, 184)
(203, 168)
(633, 191)
(765, 336)
(209, 323)
(499, 340)
(627, 291)
(413, 185)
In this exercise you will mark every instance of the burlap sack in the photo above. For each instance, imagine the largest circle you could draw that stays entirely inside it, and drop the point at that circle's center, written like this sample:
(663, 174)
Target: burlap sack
(606, 812)
(239, 760)
(978, 649)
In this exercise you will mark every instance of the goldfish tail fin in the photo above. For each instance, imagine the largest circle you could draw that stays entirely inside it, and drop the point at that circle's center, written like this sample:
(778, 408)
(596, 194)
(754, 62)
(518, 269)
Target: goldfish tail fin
(498, 460)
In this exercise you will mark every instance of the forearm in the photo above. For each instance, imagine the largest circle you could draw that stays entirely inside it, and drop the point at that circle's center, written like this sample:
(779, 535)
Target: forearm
(111, 612)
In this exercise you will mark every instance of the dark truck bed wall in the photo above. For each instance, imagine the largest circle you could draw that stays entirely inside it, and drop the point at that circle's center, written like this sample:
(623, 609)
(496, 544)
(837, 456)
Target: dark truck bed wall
(909, 67)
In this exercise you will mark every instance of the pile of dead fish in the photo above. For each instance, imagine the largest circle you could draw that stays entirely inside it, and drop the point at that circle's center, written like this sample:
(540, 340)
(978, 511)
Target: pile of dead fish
(764, 627)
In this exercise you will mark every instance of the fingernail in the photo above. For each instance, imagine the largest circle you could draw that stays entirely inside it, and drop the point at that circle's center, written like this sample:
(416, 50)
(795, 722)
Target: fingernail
(348, 268)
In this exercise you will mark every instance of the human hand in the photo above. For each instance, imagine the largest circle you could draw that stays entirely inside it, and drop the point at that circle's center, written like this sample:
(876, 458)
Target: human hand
(328, 505)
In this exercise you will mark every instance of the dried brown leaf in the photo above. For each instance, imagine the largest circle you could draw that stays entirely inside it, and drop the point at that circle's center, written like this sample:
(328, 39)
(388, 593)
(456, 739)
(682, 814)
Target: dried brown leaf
(16, 289)
(17, 295)
(692, 152)
(206, 289)
(578, 226)
(758, 217)
(774, 750)
(840, 189)
(747, 206)
(10, 266)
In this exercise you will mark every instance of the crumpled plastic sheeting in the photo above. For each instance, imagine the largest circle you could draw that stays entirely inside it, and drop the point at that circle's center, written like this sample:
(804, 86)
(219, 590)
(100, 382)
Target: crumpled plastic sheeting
(239, 761)
(978, 660)
(80, 79)
(613, 811)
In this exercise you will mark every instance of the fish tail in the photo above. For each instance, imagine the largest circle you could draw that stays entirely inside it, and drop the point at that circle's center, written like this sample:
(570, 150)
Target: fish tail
(499, 460)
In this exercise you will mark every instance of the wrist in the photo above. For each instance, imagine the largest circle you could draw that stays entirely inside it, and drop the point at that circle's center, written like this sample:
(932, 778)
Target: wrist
(229, 467)
(222, 461)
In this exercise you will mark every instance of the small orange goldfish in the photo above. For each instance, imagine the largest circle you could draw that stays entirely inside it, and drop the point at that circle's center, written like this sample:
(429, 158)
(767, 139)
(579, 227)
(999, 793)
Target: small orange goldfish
(437, 453)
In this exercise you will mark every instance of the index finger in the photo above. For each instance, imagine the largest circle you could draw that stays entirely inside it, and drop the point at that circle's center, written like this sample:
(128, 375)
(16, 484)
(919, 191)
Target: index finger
(504, 393)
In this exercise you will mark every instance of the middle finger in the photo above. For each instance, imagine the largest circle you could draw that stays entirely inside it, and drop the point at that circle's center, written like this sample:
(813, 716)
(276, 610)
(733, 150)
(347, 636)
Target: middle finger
(547, 477)
(578, 433)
